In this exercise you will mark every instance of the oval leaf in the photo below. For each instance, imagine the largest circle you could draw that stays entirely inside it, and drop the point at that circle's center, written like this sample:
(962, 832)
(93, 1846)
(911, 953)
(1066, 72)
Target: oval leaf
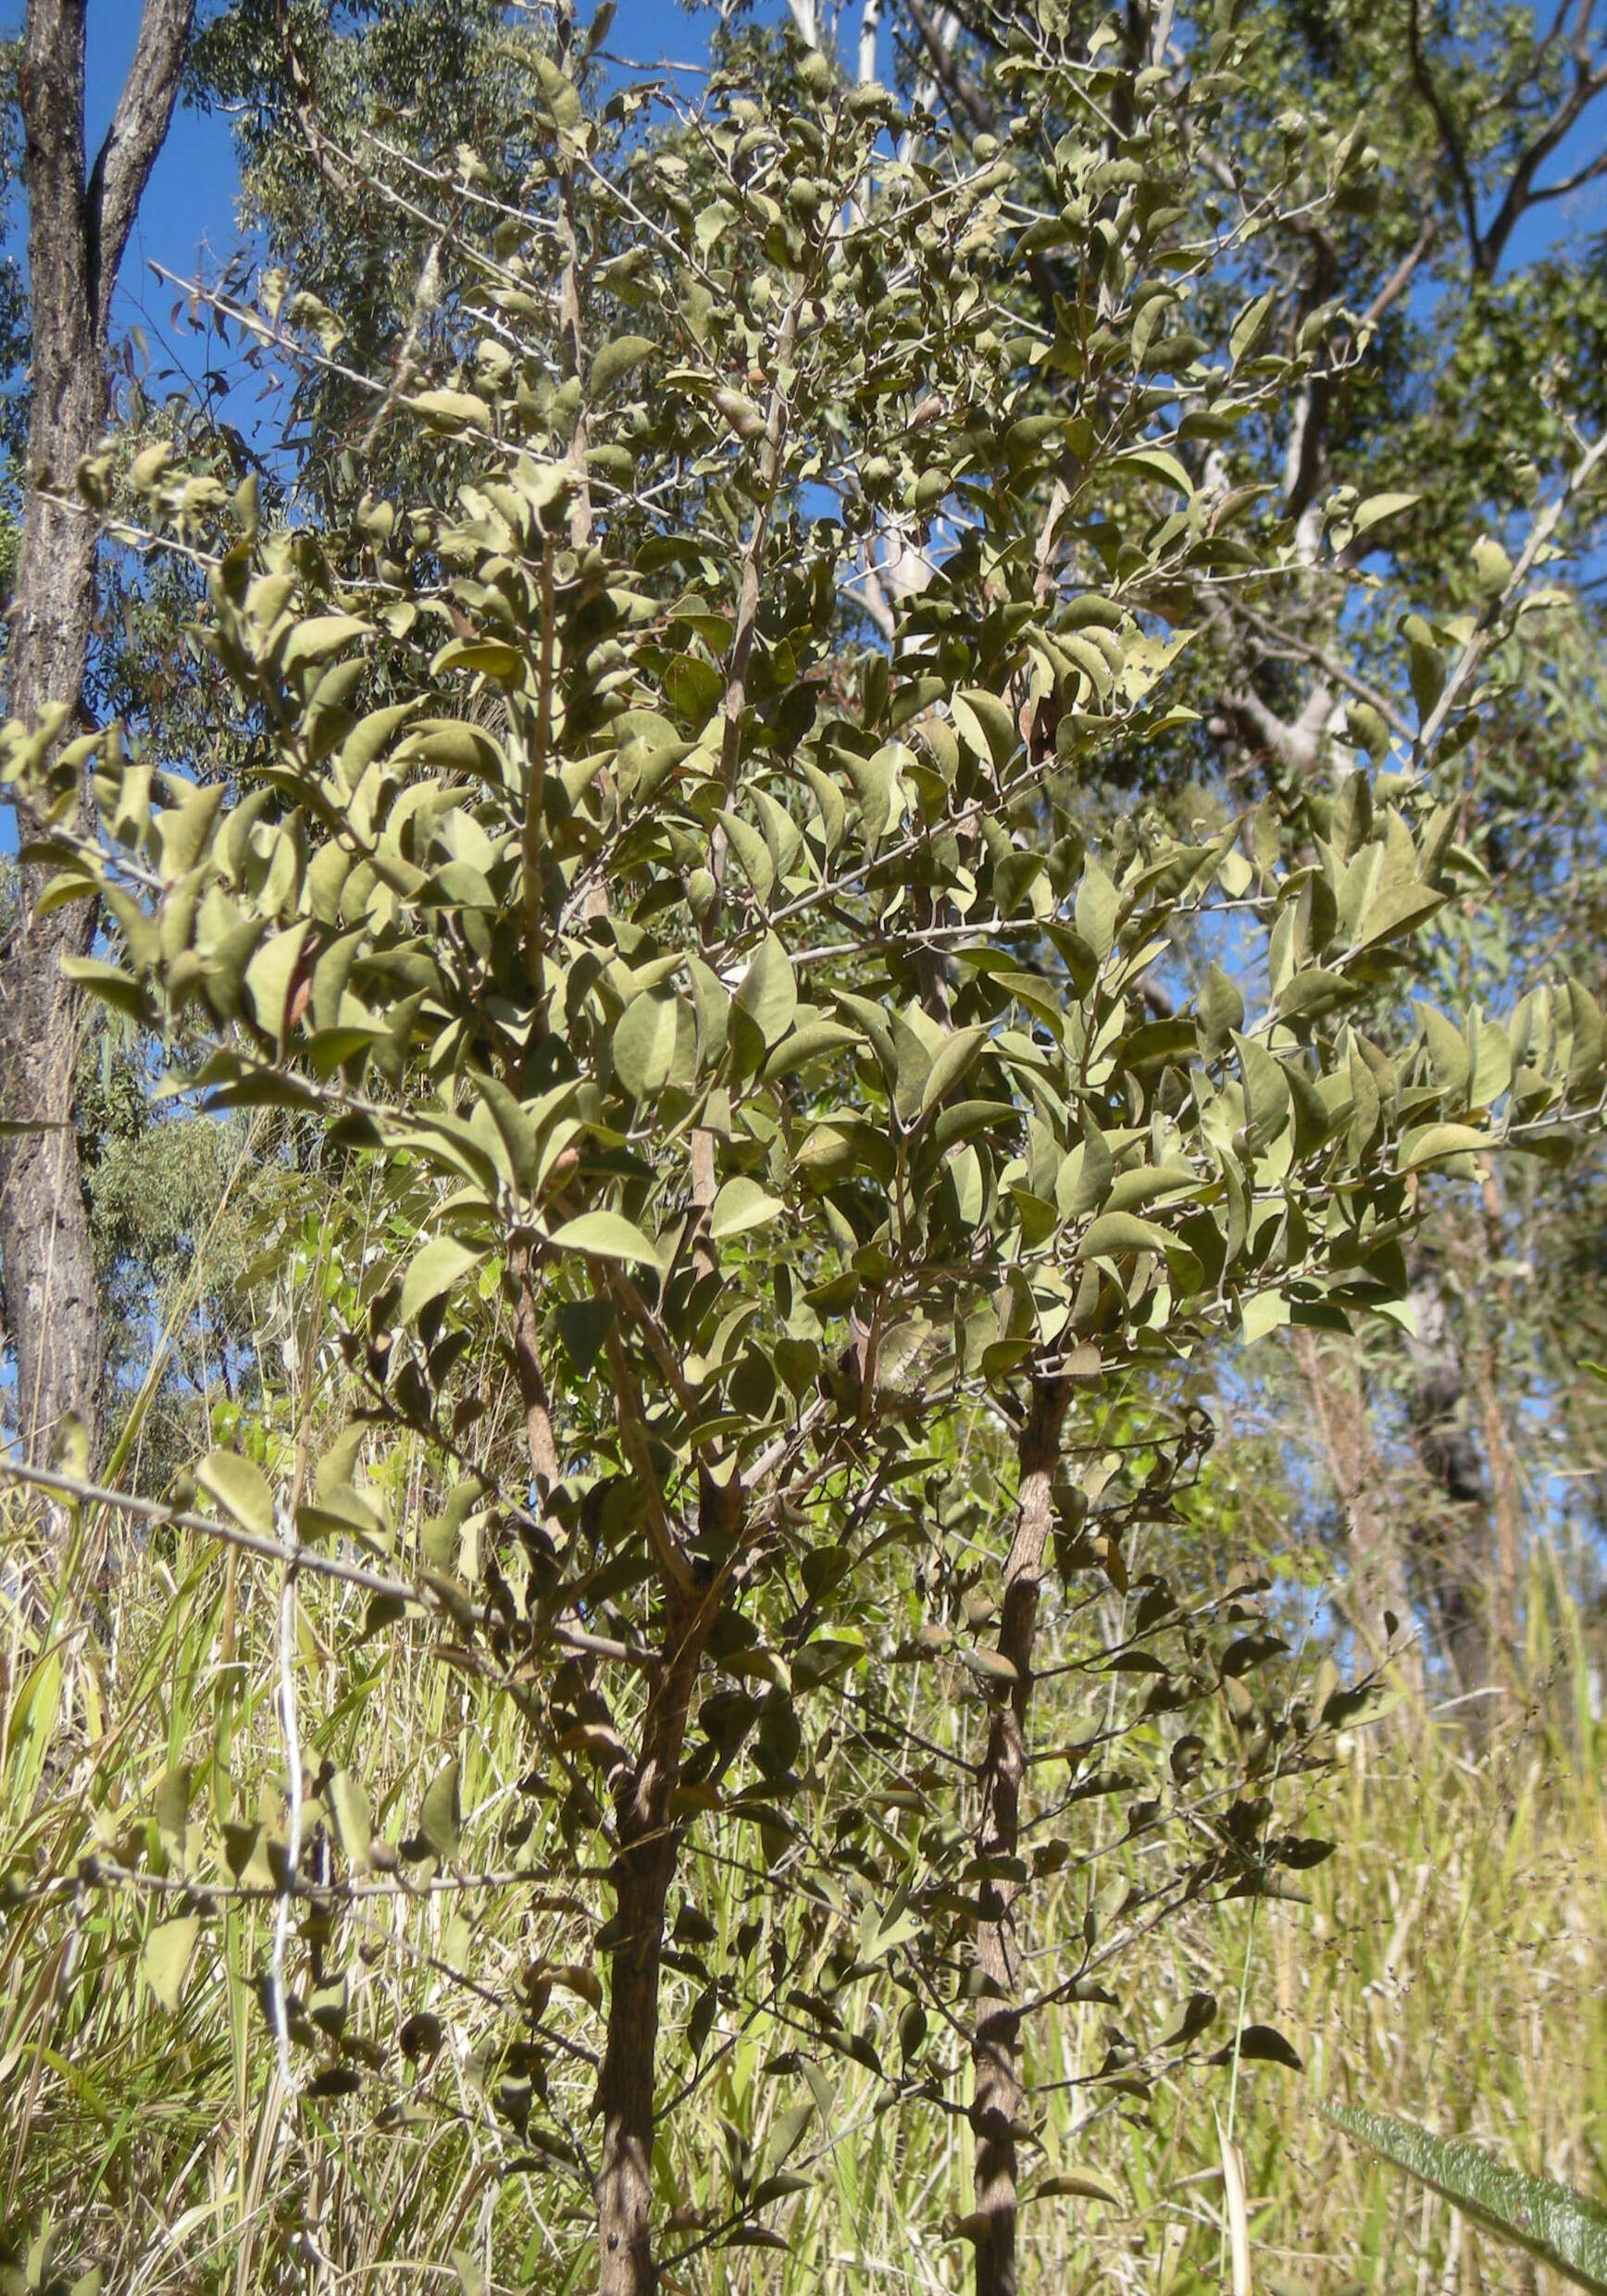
(440, 1818)
(1123, 1231)
(166, 1957)
(741, 1205)
(239, 1489)
(617, 359)
(644, 1042)
(436, 1267)
(606, 1235)
(768, 994)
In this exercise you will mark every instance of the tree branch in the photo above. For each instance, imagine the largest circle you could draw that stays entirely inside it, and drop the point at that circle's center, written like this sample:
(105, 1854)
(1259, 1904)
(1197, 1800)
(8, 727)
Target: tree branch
(139, 124)
(1451, 140)
(961, 90)
(1401, 277)
(1589, 82)
(1492, 619)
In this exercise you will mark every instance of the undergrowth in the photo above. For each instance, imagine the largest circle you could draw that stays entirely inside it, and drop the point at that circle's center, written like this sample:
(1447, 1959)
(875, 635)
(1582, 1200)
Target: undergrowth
(1446, 1966)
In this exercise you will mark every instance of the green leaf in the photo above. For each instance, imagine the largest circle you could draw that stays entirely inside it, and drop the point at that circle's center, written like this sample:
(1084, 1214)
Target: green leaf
(1437, 1141)
(185, 828)
(605, 1235)
(1084, 1180)
(644, 1042)
(1123, 1231)
(353, 1820)
(984, 724)
(1425, 664)
(1589, 1039)
(758, 864)
(768, 994)
(617, 359)
(912, 1059)
(828, 798)
(742, 1204)
(1493, 1061)
(1249, 327)
(1446, 1050)
(459, 748)
(1221, 1011)
(872, 780)
(1491, 567)
(559, 92)
(165, 1958)
(1078, 2184)
(1261, 2044)
(1156, 463)
(269, 979)
(1559, 2226)
(1096, 909)
(489, 656)
(435, 1269)
(324, 634)
(1266, 1092)
(441, 1817)
(693, 687)
(807, 1044)
(1378, 507)
(239, 1489)
(1399, 909)
(583, 1326)
(953, 1062)
(1265, 1311)
(451, 410)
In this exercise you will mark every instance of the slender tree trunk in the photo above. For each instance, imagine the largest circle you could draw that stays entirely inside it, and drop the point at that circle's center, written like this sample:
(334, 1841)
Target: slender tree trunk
(1506, 1506)
(1378, 1589)
(644, 1869)
(77, 231)
(1455, 1547)
(998, 2100)
(1500, 1455)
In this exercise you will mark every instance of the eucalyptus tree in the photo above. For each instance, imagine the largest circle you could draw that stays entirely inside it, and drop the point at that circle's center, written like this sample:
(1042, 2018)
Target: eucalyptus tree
(760, 1059)
(79, 223)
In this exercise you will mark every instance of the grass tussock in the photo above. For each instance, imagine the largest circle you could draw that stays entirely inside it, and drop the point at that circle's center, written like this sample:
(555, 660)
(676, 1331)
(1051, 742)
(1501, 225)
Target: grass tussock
(1446, 1967)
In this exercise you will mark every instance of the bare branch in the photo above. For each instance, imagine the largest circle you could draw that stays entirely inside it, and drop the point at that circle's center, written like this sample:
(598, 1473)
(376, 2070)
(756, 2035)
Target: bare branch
(1589, 79)
(1588, 173)
(1451, 140)
(957, 85)
(139, 124)
(1401, 277)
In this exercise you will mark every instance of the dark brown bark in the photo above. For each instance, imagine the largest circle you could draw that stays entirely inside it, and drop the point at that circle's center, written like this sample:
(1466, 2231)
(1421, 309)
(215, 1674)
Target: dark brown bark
(998, 2100)
(643, 1868)
(77, 231)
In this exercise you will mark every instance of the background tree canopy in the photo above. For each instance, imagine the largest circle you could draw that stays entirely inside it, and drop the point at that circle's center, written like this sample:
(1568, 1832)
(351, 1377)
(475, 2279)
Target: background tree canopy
(838, 1076)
